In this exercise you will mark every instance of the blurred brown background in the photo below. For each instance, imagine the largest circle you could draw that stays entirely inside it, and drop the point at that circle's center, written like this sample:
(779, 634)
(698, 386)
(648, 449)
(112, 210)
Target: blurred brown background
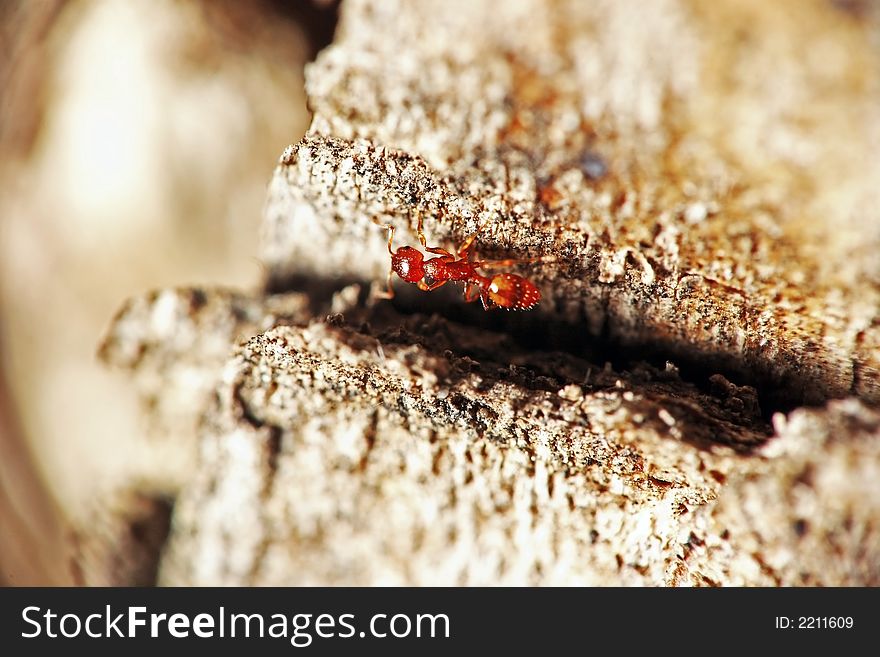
(136, 141)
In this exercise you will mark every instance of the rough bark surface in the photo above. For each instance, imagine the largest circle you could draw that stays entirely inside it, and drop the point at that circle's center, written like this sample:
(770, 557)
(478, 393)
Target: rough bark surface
(175, 342)
(703, 206)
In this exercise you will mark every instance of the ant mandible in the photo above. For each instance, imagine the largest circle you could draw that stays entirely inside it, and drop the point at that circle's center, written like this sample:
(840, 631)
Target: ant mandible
(505, 290)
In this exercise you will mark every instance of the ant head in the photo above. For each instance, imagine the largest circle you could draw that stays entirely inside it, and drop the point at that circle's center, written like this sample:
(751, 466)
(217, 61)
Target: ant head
(407, 263)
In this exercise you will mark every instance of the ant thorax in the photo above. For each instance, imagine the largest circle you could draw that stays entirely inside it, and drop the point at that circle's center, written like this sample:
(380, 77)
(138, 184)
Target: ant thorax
(446, 269)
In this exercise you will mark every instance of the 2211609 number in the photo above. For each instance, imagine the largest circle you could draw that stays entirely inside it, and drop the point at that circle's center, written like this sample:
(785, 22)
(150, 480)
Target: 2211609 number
(814, 622)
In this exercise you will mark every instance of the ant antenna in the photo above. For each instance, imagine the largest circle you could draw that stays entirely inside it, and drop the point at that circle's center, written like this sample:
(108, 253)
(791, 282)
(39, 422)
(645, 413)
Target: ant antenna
(420, 230)
(390, 238)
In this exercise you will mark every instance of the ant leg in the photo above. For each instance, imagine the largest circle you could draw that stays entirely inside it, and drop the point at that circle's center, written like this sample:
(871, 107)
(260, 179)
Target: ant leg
(487, 304)
(512, 261)
(446, 255)
(469, 295)
(424, 287)
(424, 242)
(465, 248)
(500, 263)
(388, 227)
(376, 221)
(420, 231)
(390, 239)
(388, 293)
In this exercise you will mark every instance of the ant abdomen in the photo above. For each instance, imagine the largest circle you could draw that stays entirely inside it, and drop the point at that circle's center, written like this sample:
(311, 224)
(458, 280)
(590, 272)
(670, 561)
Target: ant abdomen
(513, 292)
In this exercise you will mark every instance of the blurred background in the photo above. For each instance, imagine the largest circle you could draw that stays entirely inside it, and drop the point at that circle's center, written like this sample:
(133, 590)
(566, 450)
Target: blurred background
(137, 138)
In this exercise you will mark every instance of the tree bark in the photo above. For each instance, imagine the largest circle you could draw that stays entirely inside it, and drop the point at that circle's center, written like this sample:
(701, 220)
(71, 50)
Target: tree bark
(692, 402)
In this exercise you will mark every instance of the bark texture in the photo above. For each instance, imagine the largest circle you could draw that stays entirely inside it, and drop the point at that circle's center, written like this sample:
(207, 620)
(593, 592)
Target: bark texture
(693, 402)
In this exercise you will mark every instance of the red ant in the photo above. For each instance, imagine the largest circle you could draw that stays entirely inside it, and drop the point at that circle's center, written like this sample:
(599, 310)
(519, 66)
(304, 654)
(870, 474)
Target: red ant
(505, 290)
